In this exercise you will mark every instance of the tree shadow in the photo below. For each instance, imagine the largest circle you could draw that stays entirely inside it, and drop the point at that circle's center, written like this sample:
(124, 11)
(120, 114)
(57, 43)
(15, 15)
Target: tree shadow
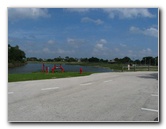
(150, 76)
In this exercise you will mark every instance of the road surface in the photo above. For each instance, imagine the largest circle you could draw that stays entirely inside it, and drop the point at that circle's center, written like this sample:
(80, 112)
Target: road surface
(101, 97)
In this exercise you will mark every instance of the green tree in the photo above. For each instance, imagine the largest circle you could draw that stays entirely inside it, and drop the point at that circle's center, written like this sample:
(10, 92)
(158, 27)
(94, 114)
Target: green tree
(137, 61)
(84, 59)
(15, 54)
(93, 59)
(58, 59)
(156, 61)
(126, 60)
(149, 60)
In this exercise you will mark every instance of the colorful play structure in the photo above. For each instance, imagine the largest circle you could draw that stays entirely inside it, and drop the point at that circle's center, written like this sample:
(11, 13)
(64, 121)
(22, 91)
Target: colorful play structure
(46, 68)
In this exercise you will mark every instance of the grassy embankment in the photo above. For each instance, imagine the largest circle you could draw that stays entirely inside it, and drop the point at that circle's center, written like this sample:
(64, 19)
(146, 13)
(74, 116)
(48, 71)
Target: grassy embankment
(117, 67)
(40, 76)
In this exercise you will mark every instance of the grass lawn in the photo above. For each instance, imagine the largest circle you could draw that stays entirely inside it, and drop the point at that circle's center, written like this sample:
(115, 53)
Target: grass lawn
(40, 76)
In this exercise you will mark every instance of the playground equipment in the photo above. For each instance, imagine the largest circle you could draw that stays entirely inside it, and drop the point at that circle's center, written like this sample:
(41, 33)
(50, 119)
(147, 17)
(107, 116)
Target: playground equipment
(43, 66)
(81, 70)
(46, 68)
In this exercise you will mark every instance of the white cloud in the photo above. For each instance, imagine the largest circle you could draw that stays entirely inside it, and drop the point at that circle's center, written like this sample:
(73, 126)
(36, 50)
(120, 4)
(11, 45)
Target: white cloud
(117, 49)
(58, 51)
(149, 50)
(118, 12)
(149, 31)
(134, 29)
(123, 45)
(51, 42)
(61, 51)
(100, 45)
(27, 13)
(87, 19)
(103, 41)
(79, 10)
(146, 52)
(130, 51)
(46, 50)
(64, 52)
(75, 42)
(128, 12)
(71, 41)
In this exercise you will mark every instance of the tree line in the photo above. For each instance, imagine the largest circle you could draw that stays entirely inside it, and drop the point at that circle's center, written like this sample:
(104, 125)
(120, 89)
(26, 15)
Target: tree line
(68, 59)
(149, 60)
(17, 55)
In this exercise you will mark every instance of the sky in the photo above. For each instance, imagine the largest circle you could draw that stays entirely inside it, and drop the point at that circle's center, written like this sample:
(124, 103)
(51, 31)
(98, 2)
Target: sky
(106, 33)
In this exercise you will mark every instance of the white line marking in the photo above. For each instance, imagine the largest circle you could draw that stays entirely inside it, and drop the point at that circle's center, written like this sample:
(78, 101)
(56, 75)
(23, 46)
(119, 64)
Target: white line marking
(10, 92)
(152, 110)
(154, 95)
(84, 84)
(53, 88)
(108, 81)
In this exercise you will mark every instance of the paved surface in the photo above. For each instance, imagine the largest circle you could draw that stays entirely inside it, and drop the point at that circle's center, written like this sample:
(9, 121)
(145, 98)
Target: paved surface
(128, 96)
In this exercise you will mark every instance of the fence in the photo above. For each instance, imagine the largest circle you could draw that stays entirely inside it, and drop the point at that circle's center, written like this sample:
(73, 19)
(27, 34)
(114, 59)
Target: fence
(140, 68)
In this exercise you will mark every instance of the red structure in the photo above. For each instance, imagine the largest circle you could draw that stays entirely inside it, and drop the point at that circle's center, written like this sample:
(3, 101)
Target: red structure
(54, 66)
(46, 69)
(62, 69)
(43, 67)
(81, 70)
(53, 70)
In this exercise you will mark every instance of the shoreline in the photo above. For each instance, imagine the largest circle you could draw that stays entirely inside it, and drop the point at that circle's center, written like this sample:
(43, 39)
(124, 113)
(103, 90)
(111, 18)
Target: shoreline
(16, 64)
(113, 67)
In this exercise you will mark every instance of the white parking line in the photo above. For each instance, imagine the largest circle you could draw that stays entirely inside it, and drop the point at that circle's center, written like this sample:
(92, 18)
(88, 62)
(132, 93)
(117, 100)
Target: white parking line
(108, 81)
(10, 92)
(52, 88)
(152, 110)
(84, 84)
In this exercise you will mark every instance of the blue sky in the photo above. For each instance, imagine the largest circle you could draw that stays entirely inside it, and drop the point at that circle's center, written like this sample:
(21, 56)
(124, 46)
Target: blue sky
(84, 32)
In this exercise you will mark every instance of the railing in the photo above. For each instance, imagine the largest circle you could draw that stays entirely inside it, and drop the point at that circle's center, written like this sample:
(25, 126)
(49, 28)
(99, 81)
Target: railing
(140, 68)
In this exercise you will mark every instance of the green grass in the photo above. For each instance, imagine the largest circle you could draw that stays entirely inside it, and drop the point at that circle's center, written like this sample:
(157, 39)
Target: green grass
(114, 67)
(40, 76)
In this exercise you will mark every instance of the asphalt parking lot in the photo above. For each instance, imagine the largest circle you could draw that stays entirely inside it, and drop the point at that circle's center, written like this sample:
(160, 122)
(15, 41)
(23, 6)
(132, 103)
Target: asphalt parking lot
(102, 97)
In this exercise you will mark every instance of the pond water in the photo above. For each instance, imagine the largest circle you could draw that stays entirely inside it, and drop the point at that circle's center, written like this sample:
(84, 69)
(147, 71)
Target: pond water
(36, 67)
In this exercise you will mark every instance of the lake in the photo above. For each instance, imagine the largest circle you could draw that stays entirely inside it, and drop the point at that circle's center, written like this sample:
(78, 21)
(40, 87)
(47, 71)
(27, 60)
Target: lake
(36, 67)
